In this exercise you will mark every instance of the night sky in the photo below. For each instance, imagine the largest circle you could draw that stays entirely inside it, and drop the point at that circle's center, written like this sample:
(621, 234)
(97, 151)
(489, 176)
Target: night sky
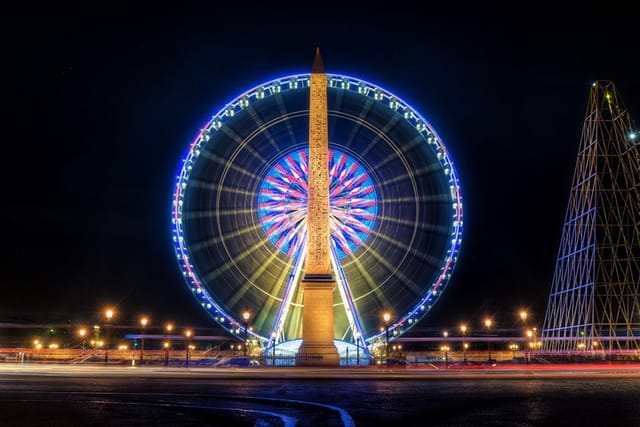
(100, 109)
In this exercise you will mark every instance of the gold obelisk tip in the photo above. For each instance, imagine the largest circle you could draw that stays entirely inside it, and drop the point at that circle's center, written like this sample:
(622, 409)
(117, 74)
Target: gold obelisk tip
(318, 66)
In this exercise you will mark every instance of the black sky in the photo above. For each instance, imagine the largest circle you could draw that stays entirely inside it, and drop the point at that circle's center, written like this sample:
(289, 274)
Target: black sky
(99, 108)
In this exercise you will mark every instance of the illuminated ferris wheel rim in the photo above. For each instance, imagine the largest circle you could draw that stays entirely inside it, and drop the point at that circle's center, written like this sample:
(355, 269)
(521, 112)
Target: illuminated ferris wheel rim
(295, 82)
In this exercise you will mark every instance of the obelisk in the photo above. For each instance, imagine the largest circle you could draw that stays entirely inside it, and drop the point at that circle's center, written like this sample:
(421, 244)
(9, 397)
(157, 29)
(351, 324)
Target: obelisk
(317, 346)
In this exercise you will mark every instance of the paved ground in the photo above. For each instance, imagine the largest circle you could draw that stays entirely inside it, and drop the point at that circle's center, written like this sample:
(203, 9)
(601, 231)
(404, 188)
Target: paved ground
(599, 370)
(539, 395)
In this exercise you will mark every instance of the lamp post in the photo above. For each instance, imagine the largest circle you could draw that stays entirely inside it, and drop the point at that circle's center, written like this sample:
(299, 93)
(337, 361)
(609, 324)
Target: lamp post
(273, 349)
(246, 315)
(187, 335)
(166, 353)
(463, 329)
(513, 348)
(167, 344)
(82, 332)
(487, 324)
(386, 316)
(109, 315)
(446, 349)
(143, 323)
(356, 335)
(523, 318)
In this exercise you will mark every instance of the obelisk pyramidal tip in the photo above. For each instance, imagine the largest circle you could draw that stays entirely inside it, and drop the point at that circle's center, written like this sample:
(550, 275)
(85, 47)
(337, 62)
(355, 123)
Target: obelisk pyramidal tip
(318, 66)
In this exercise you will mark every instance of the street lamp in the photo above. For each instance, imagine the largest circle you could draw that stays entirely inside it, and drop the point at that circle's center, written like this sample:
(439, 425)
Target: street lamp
(446, 347)
(523, 316)
(166, 353)
(109, 315)
(187, 335)
(167, 343)
(488, 323)
(143, 323)
(82, 332)
(513, 348)
(246, 314)
(386, 316)
(463, 329)
(273, 349)
(356, 335)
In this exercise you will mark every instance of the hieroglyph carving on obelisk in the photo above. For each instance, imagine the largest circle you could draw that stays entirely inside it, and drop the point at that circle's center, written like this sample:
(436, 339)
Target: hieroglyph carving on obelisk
(317, 346)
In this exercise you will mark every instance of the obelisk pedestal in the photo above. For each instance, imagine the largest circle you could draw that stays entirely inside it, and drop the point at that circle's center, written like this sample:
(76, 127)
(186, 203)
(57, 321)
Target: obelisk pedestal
(317, 348)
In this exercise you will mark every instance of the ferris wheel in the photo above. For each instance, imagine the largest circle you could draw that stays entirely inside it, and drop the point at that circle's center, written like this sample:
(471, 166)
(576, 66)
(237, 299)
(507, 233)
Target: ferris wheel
(239, 211)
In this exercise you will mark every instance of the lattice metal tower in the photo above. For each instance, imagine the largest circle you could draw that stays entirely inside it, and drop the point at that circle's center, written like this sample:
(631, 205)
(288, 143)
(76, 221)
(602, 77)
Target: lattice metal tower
(594, 302)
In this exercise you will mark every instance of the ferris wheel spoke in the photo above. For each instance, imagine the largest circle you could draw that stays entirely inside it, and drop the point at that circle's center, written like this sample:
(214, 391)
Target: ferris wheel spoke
(354, 324)
(224, 163)
(215, 187)
(213, 213)
(233, 261)
(356, 127)
(412, 250)
(403, 150)
(207, 243)
(372, 286)
(287, 298)
(291, 132)
(239, 294)
(442, 230)
(263, 128)
(270, 302)
(397, 179)
(426, 198)
(405, 281)
(373, 137)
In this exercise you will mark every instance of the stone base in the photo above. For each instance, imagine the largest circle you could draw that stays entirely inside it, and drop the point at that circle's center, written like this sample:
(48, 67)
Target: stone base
(317, 355)
(317, 348)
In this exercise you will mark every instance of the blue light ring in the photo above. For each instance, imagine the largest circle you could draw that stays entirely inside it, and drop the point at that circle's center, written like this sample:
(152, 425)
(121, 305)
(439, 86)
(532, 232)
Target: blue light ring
(343, 82)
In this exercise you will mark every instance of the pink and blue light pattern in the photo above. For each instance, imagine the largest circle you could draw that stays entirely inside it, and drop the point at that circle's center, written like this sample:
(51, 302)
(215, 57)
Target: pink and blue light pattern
(282, 203)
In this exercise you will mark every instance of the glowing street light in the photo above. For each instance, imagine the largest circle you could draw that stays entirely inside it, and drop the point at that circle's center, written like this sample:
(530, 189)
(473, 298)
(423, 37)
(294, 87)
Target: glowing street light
(82, 332)
(487, 324)
(188, 333)
(386, 316)
(446, 346)
(513, 348)
(143, 322)
(109, 315)
(445, 349)
(523, 316)
(167, 344)
(246, 315)
(463, 329)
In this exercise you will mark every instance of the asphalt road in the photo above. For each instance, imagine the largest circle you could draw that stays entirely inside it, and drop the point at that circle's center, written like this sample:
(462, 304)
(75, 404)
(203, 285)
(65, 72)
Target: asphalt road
(64, 395)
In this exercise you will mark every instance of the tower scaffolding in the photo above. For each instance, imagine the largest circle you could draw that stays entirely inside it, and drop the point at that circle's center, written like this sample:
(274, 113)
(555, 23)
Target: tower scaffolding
(594, 303)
